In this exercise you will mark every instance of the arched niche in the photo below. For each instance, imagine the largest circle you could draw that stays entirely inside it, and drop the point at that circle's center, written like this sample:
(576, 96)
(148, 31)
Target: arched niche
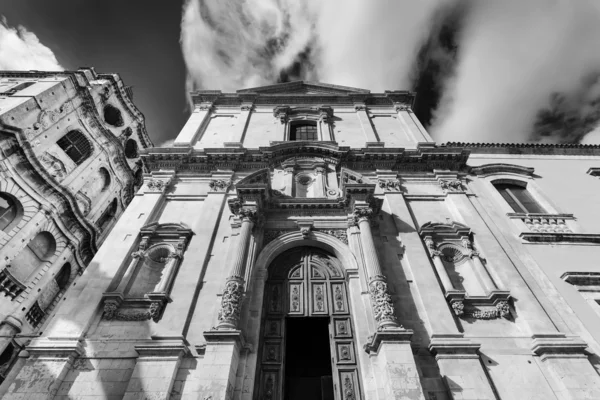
(150, 272)
(37, 252)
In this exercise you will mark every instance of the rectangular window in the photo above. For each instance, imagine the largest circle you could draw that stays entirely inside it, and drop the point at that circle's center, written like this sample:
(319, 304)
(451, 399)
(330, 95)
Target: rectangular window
(519, 199)
(303, 131)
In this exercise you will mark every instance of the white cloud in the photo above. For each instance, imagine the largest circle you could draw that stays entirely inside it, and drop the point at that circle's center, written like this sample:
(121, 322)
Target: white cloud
(512, 54)
(22, 50)
(230, 45)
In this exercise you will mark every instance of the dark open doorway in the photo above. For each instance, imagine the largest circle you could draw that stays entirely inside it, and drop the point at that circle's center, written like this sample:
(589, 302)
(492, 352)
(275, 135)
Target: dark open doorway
(308, 359)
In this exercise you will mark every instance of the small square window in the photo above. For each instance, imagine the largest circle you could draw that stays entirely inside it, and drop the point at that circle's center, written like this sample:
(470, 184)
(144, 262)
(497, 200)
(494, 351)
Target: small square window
(305, 130)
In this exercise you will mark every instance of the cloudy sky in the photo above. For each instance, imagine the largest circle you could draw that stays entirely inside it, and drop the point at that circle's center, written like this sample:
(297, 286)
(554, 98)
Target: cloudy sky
(484, 71)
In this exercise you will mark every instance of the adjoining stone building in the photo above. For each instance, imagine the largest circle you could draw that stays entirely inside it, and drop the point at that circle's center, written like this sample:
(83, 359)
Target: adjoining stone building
(306, 240)
(69, 166)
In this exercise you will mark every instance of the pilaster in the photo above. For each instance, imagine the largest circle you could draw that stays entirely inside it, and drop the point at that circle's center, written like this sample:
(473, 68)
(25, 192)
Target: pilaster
(188, 135)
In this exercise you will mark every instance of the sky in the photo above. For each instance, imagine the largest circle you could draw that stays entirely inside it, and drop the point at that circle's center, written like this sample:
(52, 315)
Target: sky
(484, 71)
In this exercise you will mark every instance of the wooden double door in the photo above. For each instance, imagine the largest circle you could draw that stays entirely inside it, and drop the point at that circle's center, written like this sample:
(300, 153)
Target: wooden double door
(306, 325)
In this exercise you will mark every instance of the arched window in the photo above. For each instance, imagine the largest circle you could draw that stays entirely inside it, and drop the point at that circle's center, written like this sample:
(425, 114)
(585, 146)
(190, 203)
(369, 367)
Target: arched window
(113, 116)
(304, 130)
(108, 214)
(105, 179)
(131, 148)
(8, 212)
(76, 145)
(519, 198)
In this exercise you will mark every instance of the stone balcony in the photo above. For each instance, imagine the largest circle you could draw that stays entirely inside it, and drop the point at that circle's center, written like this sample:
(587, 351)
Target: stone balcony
(10, 285)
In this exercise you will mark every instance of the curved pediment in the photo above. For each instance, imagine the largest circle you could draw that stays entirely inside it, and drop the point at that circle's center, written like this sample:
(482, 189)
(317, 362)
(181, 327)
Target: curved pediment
(500, 168)
(165, 228)
(451, 230)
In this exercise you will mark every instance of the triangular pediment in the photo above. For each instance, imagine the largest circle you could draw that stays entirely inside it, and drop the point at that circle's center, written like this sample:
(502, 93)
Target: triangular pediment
(303, 87)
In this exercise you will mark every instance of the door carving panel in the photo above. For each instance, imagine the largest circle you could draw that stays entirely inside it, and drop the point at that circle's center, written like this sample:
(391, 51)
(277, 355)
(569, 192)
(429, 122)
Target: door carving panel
(306, 282)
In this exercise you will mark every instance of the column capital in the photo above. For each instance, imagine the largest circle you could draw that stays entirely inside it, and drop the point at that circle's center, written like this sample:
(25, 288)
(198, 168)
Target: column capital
(363, 213)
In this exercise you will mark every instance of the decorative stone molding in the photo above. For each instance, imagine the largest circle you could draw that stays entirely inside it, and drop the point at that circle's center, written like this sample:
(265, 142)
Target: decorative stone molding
(153, 312)
(499, 168)
(340, 234)
(582, 279)
(219, 185)
(383, 307)
(271, 235)
(390, 185)
(231, 302)
(453, 185)
(556, 345)
(549, 237)
(594, 172)
(458, 307)
(397, 335)
(362, 213)
(158, 185)
(305, 228)
(544, 223)
(10, 285)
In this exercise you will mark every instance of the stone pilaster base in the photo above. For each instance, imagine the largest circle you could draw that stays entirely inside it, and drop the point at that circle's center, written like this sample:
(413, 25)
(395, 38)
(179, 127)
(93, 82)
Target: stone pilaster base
(459, 363)
(221, 358)
(567, 367)
(43, 371)
(392, 357)
(155, 370)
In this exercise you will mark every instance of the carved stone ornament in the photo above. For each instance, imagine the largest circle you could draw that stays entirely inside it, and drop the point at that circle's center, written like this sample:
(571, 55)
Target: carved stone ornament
(348, 389)
(458, 307)
(270, 235)
(219, 184)
(381, 300)
(340, 234)
(305, 231)
(153, 312)
(363, 213)
(501, 310)
(402, 107)
(231, 302)
(390, 185)
(454, 185)
(54, 165)
(158, 185)
(248, 214)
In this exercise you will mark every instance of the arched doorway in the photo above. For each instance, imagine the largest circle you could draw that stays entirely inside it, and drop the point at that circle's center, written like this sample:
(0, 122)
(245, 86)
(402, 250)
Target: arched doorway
(307, 347)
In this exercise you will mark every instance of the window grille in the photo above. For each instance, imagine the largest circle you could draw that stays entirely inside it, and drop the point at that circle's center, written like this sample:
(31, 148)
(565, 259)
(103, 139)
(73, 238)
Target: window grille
(303, 131)
(519, 198)
(76, 145)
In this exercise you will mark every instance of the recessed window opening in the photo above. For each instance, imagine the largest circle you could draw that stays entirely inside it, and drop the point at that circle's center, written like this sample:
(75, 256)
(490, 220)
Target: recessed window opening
(519, 198)
(113, 116)
(305, 130)
(131, 148)
(8, 211)
(76, 145)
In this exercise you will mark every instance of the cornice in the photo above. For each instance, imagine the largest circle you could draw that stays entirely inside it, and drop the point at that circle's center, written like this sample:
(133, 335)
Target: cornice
(528, 148)
(499, 168)
(424, 158)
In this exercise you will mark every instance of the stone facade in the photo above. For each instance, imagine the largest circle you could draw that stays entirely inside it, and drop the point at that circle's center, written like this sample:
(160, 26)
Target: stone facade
(457, 271)
(69, 166)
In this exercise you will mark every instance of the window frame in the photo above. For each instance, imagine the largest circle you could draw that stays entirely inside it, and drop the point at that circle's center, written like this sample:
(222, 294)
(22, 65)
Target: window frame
(508, 188)
(299, 124)
(80, 139)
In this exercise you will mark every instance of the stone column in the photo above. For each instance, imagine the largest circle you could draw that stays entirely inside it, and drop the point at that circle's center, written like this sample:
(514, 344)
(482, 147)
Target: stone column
(231, 302)
(319, 190)
(188, 135)
(13, 322)
(478, 267)
(169, 272)
(289, 180)
(439, 265)
(383, 307)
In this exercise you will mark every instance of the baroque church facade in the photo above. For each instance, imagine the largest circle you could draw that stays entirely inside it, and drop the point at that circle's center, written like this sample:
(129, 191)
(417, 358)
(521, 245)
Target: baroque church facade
(69, 166)
(311, 241)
